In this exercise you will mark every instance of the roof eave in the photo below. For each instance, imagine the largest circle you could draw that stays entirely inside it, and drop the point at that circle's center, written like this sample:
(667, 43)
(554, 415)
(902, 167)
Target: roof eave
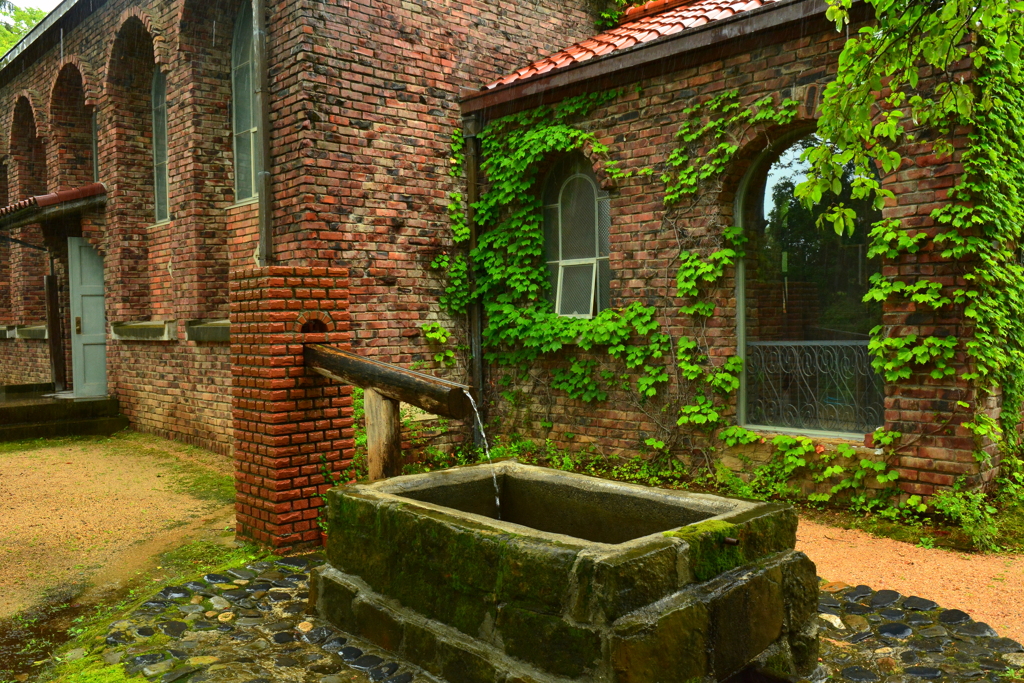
(47, 34)
(544, 88)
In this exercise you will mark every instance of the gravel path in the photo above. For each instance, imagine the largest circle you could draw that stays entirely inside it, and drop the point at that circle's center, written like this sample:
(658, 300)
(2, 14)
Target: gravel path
(988, 587)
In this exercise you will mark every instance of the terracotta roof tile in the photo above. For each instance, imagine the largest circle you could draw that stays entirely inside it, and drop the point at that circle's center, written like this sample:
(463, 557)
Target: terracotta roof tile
(90, 190)
(641, 24)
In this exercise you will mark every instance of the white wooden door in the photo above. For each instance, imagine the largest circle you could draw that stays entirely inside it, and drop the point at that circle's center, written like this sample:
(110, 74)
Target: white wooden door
(88, 320)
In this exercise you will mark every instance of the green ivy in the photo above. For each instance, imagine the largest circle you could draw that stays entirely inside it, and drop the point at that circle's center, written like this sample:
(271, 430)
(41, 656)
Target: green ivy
(980, 226)
(694, 161)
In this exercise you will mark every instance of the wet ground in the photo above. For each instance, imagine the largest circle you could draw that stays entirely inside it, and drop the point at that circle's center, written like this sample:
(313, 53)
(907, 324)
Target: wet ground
(250, 624)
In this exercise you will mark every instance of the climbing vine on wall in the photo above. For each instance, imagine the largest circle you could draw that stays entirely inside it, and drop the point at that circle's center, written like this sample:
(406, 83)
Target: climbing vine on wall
(511, 278)
(970, 52)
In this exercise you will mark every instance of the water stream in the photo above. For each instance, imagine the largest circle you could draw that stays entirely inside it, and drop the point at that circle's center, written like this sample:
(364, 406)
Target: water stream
(487, 451)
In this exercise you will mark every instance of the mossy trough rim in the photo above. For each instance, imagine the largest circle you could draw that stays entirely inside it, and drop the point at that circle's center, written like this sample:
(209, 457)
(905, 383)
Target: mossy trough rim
(390, 491)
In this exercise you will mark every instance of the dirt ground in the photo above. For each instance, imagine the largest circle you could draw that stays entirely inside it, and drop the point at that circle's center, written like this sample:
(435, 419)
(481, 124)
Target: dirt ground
(99, 511)
(988, 587)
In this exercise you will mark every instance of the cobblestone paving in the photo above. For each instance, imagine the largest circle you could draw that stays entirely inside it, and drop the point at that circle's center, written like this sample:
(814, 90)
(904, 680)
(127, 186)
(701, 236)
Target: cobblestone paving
(870, 636)
(249, 625)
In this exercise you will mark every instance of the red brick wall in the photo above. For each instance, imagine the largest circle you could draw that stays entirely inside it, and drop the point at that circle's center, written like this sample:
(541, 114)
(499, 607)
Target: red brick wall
(364, 99)
(24, 361)
(646, 239)
(367, 187)
(286, 419)
(175, 388)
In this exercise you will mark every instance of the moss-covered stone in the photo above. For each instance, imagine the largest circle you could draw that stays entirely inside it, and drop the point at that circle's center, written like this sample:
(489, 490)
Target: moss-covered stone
(335, 601)
(377, 625)
(612, 585)
(460, 665)
(548, 642)
(746, 617)
(534, 575)
(419, 645)
(709, 555)
(760, 532)
(675, 646)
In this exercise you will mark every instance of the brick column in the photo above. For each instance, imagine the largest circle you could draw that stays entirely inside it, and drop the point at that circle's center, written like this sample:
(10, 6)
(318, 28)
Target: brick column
(285, 419)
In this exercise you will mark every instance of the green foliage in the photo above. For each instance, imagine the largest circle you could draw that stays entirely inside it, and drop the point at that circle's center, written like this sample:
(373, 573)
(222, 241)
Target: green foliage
(711, 127)
(609, 14)
(15, 23)
(972, 512)
(457, 290)
(511, 277)
(437, 336)
(919, 50)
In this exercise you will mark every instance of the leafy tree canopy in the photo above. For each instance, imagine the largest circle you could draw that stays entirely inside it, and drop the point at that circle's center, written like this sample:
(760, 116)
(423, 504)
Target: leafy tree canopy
(15, 22)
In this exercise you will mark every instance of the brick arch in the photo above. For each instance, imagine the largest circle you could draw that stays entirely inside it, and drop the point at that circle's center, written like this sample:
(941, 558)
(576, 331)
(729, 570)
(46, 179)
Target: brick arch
(202, 83)
(26, 178)
(126, 135)
(27, 149)
(599, 167)
(38, 113)
(161, 51)
(90, 82)
(756, 148)
(71, 129)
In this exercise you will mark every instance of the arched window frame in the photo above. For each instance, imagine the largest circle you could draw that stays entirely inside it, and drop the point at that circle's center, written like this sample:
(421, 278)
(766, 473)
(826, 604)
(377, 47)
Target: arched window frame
(158, 101)
(751, 188)
(571, 169)
(244, 119)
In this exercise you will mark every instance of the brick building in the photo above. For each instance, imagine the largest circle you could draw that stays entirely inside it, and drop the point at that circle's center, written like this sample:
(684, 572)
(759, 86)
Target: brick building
(791, 308)
(162, 103)
(285, 166)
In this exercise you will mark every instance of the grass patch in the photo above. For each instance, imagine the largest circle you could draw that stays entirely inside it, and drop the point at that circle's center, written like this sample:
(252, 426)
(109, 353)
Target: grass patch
(28, 445)
(177, 566)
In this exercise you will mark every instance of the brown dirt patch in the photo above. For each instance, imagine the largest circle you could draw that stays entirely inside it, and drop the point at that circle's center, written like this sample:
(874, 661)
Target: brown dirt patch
(988, 587)
(82, 510)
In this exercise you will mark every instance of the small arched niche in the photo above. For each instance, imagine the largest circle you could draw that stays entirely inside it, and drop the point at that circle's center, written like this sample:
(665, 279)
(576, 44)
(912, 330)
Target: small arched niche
(803, 323)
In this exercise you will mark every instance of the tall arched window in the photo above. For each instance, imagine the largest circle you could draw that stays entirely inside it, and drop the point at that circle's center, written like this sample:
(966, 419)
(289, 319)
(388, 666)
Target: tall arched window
(243, 93)
(576, 239)
(804, 326)
(159, 103)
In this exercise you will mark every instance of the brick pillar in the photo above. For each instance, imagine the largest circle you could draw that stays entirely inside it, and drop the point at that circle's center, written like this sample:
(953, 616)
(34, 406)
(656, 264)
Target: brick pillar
(286, 419)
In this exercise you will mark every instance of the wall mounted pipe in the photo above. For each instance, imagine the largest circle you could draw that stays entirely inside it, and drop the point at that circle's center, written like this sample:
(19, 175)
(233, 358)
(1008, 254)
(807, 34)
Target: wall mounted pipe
(471, 126)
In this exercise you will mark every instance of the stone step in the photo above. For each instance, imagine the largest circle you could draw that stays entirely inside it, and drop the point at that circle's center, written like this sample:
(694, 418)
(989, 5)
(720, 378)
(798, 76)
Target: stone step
(99, 426)
(39, 410)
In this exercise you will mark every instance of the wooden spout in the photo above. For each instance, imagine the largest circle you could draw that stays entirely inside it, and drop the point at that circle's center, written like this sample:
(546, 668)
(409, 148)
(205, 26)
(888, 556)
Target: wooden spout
(431, 394)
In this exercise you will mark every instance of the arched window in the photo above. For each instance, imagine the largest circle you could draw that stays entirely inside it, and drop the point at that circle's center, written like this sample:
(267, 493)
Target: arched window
(243, 93)
(804, 326)
(159, 103)
(576, 228)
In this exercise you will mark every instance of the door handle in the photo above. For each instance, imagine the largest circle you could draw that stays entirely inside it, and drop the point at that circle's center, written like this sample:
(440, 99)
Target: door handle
(78, 325)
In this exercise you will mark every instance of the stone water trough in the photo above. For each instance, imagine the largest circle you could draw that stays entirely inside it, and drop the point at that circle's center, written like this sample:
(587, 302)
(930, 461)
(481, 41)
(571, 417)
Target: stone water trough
(581, 579)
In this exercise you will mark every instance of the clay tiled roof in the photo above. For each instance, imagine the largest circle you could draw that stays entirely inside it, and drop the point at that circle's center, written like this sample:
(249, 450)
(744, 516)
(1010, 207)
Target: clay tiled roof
(641, 24)
(43, 200)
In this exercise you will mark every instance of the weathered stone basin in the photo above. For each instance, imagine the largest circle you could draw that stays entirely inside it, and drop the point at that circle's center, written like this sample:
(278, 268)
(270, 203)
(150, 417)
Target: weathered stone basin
(582, 578)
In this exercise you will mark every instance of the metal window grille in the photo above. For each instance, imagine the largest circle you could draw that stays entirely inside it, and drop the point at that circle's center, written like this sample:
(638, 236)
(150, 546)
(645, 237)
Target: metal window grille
(826, 385)
(576, 229)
